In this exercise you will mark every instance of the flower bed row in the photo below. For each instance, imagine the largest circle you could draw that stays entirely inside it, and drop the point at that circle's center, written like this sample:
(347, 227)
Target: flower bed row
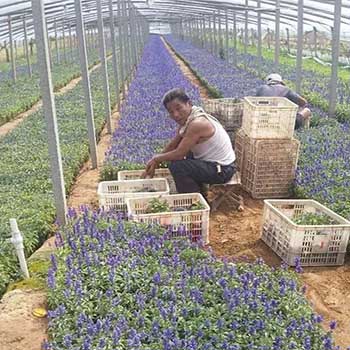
(227, 80)
(25, 179)
(19, 96)
(119, 285)
(323, 169)
(144, 126)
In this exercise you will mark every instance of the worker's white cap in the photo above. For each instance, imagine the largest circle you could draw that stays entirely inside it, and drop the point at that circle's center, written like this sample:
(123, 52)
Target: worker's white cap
(274, 77)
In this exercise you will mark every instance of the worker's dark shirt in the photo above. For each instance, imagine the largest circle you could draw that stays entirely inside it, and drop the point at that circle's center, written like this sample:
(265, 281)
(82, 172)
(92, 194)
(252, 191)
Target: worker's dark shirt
(279, 90)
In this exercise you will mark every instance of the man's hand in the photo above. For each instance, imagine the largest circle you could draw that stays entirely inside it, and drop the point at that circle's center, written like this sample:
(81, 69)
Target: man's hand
(151, 167)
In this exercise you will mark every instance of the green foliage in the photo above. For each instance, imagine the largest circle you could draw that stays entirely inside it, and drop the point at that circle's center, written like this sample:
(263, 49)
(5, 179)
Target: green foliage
(342, 113)
(196, 206)
(157, 205)
(25, 180)
(19, 96)
(313, 219)
(110, 172)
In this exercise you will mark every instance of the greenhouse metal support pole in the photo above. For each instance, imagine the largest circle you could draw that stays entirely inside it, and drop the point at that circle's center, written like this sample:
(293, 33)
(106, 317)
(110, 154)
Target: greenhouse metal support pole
(132, 32)
(245, 32)
(125, 40)
(128, 24)
(226, 35)
(70, 40)
(13, 61)
(49, 109)
(299, 45)
(49, 43)
(315, 41)
(198, 32)
(288, 45)
(86, 82)
(335, 58)
(121, 47)
(211, 37)
(16, 51)
(215, 37)
(203, 32)
(220, 33)
(26, 49)
(277, 34)
(104, 71)
(64, 41)
(114, 51)
(56, 43)
(234, 39)
(258, 4)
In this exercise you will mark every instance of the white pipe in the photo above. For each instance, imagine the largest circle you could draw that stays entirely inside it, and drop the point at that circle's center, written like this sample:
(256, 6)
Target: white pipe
(17, 241)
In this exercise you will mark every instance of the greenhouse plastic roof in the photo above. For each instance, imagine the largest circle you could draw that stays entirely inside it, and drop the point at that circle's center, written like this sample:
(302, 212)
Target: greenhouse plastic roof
(316, 13)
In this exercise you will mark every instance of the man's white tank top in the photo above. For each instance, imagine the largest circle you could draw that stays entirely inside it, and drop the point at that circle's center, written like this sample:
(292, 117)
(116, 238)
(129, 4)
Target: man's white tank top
(217, 148)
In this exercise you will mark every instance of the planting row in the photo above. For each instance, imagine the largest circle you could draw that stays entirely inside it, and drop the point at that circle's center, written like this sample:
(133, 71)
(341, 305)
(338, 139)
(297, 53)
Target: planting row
(118, 285)
(144, 127)
(19, 96)
(323, 167)
(25, 180)
(221, 79)
(324, 170)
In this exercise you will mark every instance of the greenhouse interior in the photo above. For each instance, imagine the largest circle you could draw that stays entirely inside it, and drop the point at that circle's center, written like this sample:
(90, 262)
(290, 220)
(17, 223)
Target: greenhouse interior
(174, 174)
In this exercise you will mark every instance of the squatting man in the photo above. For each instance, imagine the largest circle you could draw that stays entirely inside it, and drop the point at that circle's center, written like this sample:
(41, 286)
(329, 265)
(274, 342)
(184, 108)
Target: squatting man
(200, 153)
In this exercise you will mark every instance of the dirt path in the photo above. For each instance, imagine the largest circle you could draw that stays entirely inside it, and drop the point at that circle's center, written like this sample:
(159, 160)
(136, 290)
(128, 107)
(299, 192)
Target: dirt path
(9, 126)
(187, 72)
(237, 234)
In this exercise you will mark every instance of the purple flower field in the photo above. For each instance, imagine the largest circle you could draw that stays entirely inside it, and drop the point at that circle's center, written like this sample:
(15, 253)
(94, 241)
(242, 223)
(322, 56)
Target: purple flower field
(229, 81)
(118, 285)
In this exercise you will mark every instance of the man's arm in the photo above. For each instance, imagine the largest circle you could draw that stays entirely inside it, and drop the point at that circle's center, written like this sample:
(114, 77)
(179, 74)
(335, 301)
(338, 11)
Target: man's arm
(195, 131)
(296, 98)
(173, 143)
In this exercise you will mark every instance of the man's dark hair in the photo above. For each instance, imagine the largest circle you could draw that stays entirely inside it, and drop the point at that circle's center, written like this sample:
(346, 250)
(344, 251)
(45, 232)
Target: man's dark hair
(173, 94)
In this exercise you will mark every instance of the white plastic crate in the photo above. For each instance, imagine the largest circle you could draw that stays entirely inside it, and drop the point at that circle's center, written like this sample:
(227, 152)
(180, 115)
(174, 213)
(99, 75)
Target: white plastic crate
(193, 224)
(228, 111)
(315, 245)
(112, 194)
(159, 173)
(269, 117)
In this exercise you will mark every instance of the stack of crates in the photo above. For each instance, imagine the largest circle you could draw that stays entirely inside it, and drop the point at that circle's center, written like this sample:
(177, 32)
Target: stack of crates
(266, 152)
(228, 111)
